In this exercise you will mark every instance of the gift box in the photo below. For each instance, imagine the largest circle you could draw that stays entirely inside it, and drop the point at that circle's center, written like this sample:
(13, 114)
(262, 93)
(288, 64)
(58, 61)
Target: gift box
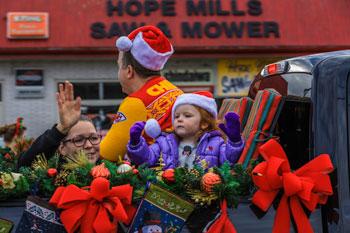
(160, 211)
(240, 106)
(39, 216)
(260, 124)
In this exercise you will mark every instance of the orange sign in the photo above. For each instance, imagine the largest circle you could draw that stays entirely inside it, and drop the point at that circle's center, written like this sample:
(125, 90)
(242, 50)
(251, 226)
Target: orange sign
(27, 25)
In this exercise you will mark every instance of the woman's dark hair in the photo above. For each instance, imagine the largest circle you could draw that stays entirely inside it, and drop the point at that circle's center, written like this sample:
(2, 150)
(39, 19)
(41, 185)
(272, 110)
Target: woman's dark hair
(128, 59)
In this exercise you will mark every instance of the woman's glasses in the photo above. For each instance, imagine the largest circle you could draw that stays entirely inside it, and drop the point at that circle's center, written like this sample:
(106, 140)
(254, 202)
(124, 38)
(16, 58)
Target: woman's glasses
(80, 140)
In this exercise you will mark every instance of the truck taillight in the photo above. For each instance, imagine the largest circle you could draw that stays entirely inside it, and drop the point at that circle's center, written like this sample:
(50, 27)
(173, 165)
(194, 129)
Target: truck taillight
(275, 68)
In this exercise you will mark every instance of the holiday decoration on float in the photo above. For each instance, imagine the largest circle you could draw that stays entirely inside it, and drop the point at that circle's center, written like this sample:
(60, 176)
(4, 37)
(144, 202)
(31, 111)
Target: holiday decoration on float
(100, 171)
(124, 168)
(209, 180)
(85, 210)
(200, 186)
(306, 187)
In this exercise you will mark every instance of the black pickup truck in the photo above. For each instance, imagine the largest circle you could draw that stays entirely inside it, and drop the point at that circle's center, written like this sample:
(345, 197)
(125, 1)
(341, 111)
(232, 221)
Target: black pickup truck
(315, 119)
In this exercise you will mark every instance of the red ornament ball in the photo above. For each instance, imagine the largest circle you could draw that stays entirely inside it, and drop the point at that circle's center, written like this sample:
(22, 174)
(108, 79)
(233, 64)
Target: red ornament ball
(169, 175)
(7, 156)
(209, 180)
(135, 171)
(51, 172)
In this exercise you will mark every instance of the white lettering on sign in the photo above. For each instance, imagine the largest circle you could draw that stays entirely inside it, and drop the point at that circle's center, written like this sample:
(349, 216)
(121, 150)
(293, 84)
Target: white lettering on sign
(27, 18)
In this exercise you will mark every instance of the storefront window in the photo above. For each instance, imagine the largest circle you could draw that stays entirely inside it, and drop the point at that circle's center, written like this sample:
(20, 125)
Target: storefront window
(112, 91)
(87, 91)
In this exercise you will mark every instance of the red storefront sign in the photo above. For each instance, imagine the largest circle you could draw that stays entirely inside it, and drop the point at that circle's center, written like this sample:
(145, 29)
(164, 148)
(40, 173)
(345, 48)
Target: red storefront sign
(193, 25)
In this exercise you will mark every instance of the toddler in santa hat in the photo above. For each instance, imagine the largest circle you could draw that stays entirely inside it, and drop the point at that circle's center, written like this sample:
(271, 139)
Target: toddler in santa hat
(195, 137)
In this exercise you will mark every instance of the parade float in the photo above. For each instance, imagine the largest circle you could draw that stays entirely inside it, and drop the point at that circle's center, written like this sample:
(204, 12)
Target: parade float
(94, 198)
(283, 173)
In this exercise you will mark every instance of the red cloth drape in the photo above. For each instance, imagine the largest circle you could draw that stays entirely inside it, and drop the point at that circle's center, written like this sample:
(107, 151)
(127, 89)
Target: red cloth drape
(223, 223)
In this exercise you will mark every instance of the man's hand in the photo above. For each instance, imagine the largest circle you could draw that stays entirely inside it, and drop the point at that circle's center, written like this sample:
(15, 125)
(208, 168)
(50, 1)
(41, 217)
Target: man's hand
(68, 108)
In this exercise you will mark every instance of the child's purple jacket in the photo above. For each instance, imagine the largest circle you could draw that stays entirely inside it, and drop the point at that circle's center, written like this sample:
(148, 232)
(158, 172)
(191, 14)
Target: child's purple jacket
(211, 147)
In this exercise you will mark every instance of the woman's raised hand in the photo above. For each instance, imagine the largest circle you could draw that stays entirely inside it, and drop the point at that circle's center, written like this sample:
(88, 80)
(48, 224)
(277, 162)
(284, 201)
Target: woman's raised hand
(68, 107)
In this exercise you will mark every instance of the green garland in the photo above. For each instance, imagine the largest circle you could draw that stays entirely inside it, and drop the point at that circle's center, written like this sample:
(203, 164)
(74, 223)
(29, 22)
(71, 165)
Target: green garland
(235, 181)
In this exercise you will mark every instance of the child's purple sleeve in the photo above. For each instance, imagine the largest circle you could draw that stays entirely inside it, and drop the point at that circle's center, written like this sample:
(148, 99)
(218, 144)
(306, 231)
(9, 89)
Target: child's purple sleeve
(231, 151)
(143, 153)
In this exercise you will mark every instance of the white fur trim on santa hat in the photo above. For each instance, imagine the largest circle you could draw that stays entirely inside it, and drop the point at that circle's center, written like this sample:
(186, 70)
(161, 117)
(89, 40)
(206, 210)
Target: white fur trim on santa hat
(147, 56)
(123, 44)
(152, 128)
(201, 101)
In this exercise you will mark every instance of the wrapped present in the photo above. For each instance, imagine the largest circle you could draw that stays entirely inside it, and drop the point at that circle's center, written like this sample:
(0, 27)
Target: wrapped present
(240, 106)
(261, 121)
(39, 216)
(160, 211)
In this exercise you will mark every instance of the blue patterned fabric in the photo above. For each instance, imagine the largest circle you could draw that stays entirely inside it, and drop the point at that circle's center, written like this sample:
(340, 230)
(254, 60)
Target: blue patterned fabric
(38, 216)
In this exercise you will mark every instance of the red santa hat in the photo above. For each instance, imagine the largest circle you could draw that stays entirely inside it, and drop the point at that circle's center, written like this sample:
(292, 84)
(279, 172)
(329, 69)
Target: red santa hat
(148, 45)
(202, 99)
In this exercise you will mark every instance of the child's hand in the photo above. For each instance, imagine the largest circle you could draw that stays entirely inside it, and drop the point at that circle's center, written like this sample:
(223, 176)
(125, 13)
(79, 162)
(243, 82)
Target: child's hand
(232, 128)
(136, 131)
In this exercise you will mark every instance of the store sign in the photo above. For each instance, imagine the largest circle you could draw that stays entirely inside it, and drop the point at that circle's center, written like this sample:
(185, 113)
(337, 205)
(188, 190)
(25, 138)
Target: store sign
(191, 89)
(236, 75)
(199, 19)
(27, 25)
(29, 83)
(188, 75)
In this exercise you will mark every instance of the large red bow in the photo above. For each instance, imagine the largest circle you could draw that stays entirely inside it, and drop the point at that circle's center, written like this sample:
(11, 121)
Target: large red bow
(90, 211)
(309, 185)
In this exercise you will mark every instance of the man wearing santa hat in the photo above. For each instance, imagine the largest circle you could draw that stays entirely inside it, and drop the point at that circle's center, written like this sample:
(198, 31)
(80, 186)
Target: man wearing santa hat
(142, 55)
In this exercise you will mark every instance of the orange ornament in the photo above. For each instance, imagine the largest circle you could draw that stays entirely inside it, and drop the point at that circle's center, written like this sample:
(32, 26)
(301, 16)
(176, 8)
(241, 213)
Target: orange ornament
(209, 180)
(169, 175)
(100, 171)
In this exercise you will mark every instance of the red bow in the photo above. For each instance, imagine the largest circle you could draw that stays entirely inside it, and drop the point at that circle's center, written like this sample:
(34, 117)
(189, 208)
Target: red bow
(18, 125)
(309, 185)
(90, 211)
(223, 223)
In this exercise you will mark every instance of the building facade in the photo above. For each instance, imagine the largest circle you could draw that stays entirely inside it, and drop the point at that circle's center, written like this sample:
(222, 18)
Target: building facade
(219, 46)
